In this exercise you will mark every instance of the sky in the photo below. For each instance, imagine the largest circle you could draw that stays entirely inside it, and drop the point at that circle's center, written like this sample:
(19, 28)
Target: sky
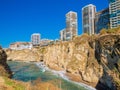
(21, 18)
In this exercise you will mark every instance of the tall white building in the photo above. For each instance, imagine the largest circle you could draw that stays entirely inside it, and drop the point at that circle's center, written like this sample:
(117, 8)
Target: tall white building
(35, 39)
(114, 9)
(63, 35)
(71, 25)
(88, 17)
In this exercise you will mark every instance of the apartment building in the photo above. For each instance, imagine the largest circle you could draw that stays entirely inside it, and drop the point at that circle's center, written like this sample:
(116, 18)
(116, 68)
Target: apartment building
(88, 17)
(102, 20)
(71, 25)
(63, 35)
(114, 9)
(35, 39)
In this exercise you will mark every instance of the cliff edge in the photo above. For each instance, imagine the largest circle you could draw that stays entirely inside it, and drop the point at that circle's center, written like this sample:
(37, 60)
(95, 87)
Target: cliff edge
(94, 60)
(4, 68)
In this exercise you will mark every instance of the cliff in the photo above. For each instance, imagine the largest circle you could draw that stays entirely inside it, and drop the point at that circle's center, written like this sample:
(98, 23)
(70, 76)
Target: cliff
(94, 60)
(8, 84)
(107, 53)
(23, 55)
(4, 68)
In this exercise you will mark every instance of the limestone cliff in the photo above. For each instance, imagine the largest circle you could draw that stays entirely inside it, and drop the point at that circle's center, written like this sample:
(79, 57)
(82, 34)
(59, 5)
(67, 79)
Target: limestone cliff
(23, 55)
(107, 52)
(94, 60)
(77, 57)
(8, 84)
(4, 68)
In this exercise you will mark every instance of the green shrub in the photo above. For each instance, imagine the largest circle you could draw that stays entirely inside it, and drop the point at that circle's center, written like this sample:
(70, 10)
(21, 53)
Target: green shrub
(113, 30)
(16, 86)
(42, 50)
(103, 31)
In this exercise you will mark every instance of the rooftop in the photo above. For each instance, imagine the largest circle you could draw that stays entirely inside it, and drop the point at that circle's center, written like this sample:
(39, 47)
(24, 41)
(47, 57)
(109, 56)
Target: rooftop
(88, 6)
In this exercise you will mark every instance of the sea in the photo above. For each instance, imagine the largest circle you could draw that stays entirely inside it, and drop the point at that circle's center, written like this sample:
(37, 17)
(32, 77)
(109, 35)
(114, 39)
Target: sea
(30, 71)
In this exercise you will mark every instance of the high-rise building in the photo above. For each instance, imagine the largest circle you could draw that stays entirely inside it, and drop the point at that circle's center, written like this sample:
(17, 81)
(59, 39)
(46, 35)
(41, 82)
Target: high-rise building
(35, 39)
(88, 16)
(114, 9)
(63, 35)
(71, 25)
(102, 20)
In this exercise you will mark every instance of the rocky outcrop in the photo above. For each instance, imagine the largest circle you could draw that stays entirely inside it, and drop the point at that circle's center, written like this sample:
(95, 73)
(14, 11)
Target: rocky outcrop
(23, 55)
(4, 68)
(94, 60)
(107, 51)
(77, 57)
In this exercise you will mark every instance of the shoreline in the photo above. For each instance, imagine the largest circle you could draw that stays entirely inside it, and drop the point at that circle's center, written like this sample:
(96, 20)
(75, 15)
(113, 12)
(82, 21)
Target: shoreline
(62, 74)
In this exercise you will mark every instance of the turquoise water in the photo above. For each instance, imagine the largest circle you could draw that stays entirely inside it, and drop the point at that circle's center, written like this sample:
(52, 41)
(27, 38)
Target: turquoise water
(29, 72)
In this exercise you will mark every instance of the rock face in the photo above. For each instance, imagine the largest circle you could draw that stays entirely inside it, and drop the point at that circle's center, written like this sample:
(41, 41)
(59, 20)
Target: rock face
(94, 60)
(108, 55)
(76, 57)
(23, 55)
(4, 68)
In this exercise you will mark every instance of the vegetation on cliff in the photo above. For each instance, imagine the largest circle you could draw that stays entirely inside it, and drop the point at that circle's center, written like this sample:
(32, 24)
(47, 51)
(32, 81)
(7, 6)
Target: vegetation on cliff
(109, 31)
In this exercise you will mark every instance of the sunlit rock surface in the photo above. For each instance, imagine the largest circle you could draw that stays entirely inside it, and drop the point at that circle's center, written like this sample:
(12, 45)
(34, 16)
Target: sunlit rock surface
(94, 60)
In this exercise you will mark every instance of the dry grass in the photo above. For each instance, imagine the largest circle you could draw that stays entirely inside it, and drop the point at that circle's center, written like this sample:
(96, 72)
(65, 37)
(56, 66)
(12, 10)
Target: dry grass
(9, 84)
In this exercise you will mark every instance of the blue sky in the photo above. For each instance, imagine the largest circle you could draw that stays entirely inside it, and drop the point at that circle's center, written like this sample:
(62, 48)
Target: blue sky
(20, 18)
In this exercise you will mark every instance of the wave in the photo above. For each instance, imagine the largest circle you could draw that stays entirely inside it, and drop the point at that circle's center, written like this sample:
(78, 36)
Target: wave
(62, 75)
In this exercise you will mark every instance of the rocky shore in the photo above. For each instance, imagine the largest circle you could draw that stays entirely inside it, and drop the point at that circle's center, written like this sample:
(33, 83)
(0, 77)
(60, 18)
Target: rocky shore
(6, 83)
(4, 68)
(26, 55)
(94, 60)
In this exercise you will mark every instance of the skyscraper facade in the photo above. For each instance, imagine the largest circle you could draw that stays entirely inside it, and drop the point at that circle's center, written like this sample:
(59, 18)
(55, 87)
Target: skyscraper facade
(63, 35)
(102, 20)
(71, 25)
(35, 39)
(114, 8)
(88, 16)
